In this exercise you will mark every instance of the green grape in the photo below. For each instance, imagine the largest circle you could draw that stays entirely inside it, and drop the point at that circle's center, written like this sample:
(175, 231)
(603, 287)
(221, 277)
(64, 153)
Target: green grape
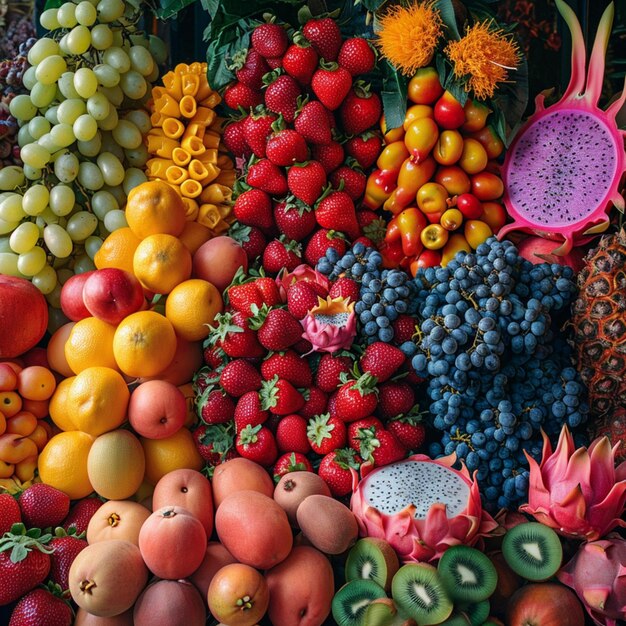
(102, 204)
(50, 69)
(133, 178)
(137, 157)
(64, 274)
(118, 38)
(127, 135)
(49, 217)
(34, 155)
(7, 227)
(11, 207)
(8, 264)
(98, 106)
(31, 262)
(24, 237)
(43, 48)
(66, 85)
(110, 145)
(111, 168)
(58, 241)
(38, 127)
(90, 176)
(28, 78)
(63, 135)
(47, 143)
(114, 94)
(110, 10)
(42, 95)
(85, 82)
(114, 220)
(24, 137)
(117, 58)
(140, 39)
(118, 193)
(159, 50)
(101, 37)
(51, 114)
(70, 110)
(83, 264)
(11, 176)
(86, 13)
(141, 60)
(92, 245)
(66, 167)
(92, 147)
(110, 121)
(4, 244)
(46, 280)
(81, 225)
(107, 76)
(66, 15)
(141, 119)
(78, 40)
(133, 85)
(85, 127)
(64, 50)
(35, 199)
(48, 19)
(62, 200)
(153, 75)
(32, 173)
(22, 108)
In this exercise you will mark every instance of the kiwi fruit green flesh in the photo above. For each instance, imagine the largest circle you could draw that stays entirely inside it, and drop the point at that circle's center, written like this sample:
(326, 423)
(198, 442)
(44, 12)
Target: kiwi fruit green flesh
(374, 559)
(419, 593)
(477, 613)
(349, 603)
(533, 551)
(467, 574)
(457, 619)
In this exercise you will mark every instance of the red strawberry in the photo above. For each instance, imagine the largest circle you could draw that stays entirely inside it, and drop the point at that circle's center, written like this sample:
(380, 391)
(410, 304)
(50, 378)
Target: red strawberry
(80, 515)
(249, 411)
(395, 397)
(321, 240)
(329, 371)
(382, 360)
(357, 56)
(281, 96)
(291, 434)
(365, 148)
(331, 84)
(280, 397)
(234, 139)
(257, 127)
(380, 447)
(254, 208)
(329, 155)
(306, 181)
(353, 180)
(360, 110)
(41, 608)
(331, 406)
(294, 219)
(239, 95)
(313, 123)
(316, 402)
(325, 36)
(345, 288)
(291, 462)
(274, 62)
(268, 177)
(326, 433)
(335, 469)
(66, 549)
(242, 297)
(288, 365)
(404, 328)
(286, 147)
(9, 513)
(357, 398)
(214, 442)
(251, 69)
(356, 430)
(281, 253)
(43, 506)
(251, 239)
(239, 377)
(234, 336)
(213, 356)
(215, 407)
(300, 60)
(257, 444)
(301, 298)
(336, 211)
(277, 328)
(270, 40)
(269, 289)
(409, 431)
(303, 346)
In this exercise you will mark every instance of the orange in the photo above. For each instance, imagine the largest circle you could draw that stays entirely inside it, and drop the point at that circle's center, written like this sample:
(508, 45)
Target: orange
(161, 262)
(117, 250)
(144, 344)
(90, 344)
(155, 207)
(58, 405)
(63, 463)
(192, 307)
(56, 350)
(97, 400)
(194, 235)
(169, 454)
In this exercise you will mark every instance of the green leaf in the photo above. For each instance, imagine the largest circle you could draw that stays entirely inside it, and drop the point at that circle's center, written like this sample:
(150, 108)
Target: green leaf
(53, 4)
(456, 88)
(372, 5)
(19, 553)
(446, 10)
(511, 102)
(171, 8)
(394, 96)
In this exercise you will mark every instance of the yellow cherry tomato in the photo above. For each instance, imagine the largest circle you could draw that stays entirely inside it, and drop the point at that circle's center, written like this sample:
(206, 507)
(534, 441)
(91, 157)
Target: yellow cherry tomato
(474, 157)
(420, 138)
(432, 198)
(449, 147)
(451, 219)
(416, 112)
(476, 232)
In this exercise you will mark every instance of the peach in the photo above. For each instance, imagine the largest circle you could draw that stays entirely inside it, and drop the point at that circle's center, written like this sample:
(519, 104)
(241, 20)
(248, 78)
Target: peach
(157, 409)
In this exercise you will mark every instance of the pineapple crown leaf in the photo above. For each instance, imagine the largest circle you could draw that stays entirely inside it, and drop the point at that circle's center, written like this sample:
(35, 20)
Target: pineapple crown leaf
(21, 541)
(258, 316)
(269, 393)
(248, 434)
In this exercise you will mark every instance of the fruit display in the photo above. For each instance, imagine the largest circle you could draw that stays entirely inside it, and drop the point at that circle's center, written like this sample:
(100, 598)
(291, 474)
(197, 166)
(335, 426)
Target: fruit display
(314, 332)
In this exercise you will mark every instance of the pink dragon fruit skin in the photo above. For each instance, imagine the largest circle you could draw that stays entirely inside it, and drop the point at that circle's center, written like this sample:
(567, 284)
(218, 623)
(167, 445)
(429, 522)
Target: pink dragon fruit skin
(563, 170)
(331, 325)
(285, 279)
(577, 492)
(597, 573)
(420, 506)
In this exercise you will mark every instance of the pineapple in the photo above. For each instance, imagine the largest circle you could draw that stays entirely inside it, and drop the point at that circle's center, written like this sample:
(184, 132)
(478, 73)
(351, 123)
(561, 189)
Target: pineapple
(599, 320)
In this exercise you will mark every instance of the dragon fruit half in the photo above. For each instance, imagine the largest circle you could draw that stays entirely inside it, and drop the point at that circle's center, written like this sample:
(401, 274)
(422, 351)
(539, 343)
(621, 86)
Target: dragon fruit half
(597, 573)
(331, 325)
(578, 492)
(420, 506)
(563, 170)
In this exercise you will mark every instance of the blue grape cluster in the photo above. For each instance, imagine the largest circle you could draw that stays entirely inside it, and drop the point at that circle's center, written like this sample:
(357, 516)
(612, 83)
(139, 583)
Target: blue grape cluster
(357, 262)
(497, 369)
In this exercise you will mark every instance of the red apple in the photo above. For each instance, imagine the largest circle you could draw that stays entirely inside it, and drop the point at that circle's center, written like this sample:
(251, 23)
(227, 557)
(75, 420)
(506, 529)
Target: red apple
(545, 604)
(72, 297)
(23, 316)
(157, 409)
(112, 294)
(218, 260)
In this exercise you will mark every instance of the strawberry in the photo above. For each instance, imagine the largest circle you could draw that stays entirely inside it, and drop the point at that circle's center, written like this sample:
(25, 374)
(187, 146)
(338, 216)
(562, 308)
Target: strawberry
(357, 56)
(380, 447)
(254, 208)
(242, 297)
(300, 60)
(274, 62)
(404, 328)
(291, 434)
(330, 155)
(409, 431)
(325, 36)
(250, 69)
(281, 96)
(251, 239)
(268, 177)
(80, 515)
(356, 430)
(360, 110)
(365, 148)
(9, 513)
(257, 127)
(331, 406)
(234, 336)
(357, 398)
(213, 356)
(288, 365)
(291, 462)
(239, 377)
(301, 298)
(331, 84)
(66, 548)
(269, 289)
(321, 240)
(281, 253)
(41, 607)
(373, 227)
(350, 180)
(336, 211)
(234, 139)
(238, 95)
(335, 469)
(306, 181)
(345, 288)
(249, 410)
(329, 371)
(395, 397)
(313, 123)
(294, 219)
(326, 433)
(315, 402)
(257, 444)
(382, 360)
(280, 397)
(286, 147)
(270, 40)
(214, 442)
(276, 329)
(215, 407)
(43, 506)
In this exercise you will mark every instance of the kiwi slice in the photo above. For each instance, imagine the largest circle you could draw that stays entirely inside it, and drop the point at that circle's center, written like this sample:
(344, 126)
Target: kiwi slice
(467, 574)
(373, 559)
(533, 551)
(477, 613)
(349, 604)
(457, 619)
(418, 591)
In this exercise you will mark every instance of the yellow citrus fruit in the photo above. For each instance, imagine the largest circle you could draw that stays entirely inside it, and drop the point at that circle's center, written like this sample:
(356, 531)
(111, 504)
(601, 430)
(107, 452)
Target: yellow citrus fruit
(97, 400)
(58, 405)
(144, 344)
(117, 250)
(155, 207)
(192, 307)
(166, 455)
(161, 262)
(63, 463)
(194, 235)
(116, 465)
(90, 344)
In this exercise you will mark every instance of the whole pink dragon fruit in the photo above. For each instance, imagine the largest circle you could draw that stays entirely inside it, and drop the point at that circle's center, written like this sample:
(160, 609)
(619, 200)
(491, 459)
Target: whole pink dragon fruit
(597, 573)
(420, 506)
(331, 325)
(578, 492)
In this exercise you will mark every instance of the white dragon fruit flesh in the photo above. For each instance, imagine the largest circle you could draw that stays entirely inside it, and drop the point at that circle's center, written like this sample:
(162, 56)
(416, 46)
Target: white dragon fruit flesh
(331, 325)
